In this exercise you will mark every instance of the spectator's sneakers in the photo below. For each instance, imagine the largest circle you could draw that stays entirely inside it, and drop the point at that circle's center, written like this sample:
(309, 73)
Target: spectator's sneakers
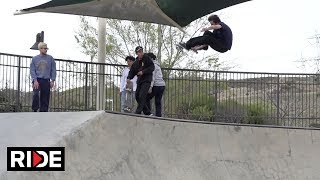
(127, 110)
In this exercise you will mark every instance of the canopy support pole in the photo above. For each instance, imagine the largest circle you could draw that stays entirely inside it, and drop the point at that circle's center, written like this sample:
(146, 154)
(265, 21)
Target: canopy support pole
(100, 99)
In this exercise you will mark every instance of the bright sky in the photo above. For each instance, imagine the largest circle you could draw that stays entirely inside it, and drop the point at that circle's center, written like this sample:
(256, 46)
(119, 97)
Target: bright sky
(269, 35)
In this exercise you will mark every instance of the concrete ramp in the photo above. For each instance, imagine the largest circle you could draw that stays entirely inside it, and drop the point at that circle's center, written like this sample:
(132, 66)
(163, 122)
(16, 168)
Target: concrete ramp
(105, 146)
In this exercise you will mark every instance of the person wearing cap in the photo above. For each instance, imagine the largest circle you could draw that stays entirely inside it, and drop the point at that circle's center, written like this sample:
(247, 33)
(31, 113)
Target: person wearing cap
(157, 86)
(220, 39)
(43, 74)
(124, 86)
(143, 67)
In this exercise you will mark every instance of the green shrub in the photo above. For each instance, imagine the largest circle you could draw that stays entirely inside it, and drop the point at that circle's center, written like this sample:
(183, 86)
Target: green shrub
(256, 114)
(227, 111)
(202, 113)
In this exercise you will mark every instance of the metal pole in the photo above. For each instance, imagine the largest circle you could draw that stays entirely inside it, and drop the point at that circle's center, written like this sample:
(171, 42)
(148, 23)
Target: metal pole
(215, 111)
(101, 59)
(18, 86)
(278, 100)
(86, 89)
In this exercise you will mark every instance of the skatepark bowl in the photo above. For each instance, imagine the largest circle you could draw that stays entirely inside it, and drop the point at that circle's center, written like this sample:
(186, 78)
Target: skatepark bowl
(108, 145)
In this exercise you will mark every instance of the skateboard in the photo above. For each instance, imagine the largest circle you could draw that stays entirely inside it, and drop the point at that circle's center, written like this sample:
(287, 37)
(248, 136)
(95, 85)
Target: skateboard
(181, 46)
(129, 99)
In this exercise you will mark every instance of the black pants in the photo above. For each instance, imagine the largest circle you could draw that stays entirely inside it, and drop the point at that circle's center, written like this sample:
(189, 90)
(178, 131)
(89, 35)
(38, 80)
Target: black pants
(210, 39)
(41, 96)
(157, 92)
(141, 97)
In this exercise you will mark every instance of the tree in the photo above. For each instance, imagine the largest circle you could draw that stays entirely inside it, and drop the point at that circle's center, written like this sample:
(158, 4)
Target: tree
(124, 36)
(86, 37)
(312, 62)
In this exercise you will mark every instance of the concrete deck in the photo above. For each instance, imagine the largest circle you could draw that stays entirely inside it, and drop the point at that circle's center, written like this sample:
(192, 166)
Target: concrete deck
(107, 146)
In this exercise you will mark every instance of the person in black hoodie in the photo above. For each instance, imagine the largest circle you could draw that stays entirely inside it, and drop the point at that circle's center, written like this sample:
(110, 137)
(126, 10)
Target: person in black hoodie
(143, 67)
(220, 39)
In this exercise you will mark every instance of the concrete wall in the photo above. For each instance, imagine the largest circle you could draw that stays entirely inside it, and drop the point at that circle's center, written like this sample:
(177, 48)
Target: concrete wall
(119, 147)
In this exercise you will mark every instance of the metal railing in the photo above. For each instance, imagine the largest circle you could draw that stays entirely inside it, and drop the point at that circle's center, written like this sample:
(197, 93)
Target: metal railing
(219, 96)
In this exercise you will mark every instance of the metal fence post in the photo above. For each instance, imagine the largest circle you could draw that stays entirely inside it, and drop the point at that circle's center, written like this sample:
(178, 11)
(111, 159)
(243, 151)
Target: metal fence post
(86, 89)
(18, 86)
(215, 95)
(298, 96)
(278, 99)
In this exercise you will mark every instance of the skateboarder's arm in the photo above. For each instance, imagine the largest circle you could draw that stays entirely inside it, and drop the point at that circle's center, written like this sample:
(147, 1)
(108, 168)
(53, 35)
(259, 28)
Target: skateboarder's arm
(53, 72)
(133, 71)
(153, 75)
(149, 66)
(212, 27)
(134, 80)
(33, 70)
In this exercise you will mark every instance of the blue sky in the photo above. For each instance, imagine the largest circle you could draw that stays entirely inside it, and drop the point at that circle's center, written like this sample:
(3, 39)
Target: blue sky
(269, 35)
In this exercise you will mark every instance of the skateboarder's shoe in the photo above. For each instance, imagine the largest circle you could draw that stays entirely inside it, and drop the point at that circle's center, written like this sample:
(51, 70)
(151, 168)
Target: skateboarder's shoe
(127, 109)
(205, 48)
(182, 45)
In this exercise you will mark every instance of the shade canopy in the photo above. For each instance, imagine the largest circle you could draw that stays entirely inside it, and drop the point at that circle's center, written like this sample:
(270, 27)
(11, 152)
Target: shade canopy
(177, 13)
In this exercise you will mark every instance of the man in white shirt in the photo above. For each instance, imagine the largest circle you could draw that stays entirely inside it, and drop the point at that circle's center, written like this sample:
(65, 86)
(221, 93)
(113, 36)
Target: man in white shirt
(127, 90)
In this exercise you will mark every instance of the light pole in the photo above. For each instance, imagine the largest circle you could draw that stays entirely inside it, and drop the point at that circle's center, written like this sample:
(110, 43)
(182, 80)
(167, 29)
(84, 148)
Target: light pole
(101, 59)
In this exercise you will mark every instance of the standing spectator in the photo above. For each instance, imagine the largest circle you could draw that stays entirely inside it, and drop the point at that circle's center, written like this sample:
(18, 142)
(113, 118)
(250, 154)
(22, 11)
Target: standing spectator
(127, 90)
(157, 86)
(143, 68)
(43, 74)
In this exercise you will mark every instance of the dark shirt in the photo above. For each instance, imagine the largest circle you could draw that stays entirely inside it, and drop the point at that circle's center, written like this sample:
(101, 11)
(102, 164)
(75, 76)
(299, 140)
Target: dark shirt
(146, 66)
(225, 34)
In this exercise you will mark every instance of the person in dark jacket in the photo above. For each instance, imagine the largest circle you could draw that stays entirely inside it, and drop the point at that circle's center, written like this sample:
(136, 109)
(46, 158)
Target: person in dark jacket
(143, 67)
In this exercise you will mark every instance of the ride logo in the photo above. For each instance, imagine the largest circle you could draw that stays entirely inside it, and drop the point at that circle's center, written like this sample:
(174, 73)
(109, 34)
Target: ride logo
(35, 159)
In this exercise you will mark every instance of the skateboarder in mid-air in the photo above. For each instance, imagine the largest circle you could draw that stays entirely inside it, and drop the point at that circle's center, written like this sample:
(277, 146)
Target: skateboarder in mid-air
(220, 39)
